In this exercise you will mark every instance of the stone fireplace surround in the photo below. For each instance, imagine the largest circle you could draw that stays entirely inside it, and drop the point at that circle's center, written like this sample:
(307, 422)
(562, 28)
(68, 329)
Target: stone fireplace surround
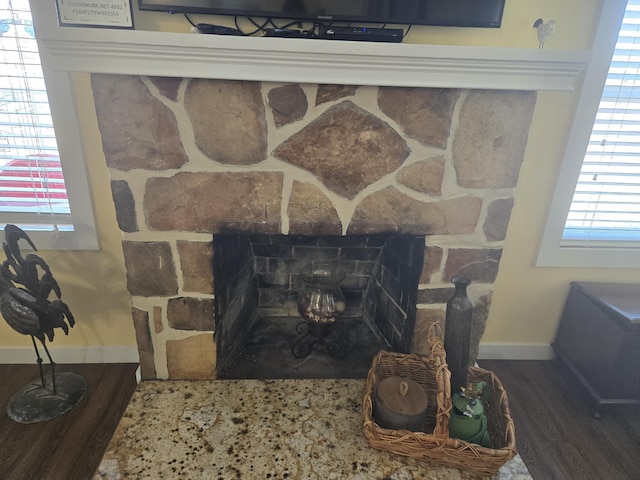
(193, 157)
(289, 61)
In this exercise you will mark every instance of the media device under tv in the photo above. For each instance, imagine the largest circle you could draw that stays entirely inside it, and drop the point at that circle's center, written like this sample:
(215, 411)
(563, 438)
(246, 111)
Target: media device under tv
(452, 13)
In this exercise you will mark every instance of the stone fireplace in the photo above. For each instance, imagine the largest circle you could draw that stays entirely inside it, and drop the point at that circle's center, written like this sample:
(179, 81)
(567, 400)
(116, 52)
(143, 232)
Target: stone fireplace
(192, 158)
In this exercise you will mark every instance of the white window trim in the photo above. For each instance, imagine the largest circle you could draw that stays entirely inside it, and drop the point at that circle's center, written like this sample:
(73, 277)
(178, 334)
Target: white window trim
(66, 126)
(73, 160)
(551, 253)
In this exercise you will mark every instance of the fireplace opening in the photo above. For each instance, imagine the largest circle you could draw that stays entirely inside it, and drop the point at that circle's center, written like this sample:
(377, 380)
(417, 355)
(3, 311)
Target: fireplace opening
(262, 331)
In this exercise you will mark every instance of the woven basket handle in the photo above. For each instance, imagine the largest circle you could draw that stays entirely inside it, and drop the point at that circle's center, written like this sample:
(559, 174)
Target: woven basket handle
(436, 339)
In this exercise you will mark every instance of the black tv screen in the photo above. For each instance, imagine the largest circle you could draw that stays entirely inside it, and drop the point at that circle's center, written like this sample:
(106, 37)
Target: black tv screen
(457, 13)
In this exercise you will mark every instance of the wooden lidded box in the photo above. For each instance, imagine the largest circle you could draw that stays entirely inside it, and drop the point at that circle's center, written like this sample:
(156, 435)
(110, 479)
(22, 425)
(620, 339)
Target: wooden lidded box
(599, 340)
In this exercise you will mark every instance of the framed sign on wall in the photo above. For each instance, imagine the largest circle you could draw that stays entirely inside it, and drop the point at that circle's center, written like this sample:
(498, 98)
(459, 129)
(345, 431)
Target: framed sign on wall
(95, 13)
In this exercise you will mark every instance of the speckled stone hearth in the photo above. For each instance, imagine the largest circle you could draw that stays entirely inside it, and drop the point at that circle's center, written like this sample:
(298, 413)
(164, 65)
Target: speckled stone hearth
(258, 429)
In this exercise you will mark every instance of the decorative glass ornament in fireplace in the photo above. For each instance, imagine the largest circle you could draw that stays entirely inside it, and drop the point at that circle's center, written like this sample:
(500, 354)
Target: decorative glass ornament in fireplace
(320, 302)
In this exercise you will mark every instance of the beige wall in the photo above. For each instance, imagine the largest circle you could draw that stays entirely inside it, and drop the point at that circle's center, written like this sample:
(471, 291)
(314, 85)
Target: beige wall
(93, 283)
(574, 19)
(527, 300)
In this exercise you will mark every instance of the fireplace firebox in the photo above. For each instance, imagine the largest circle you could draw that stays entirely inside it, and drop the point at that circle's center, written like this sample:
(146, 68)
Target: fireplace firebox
(257, 287)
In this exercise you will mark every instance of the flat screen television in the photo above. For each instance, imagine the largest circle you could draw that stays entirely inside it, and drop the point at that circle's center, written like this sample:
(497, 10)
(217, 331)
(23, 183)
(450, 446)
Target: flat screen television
(454, 13)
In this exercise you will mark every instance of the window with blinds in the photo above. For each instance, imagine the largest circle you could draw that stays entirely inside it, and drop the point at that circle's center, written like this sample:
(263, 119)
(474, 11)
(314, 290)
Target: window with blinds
(32, 186)
(606, 203)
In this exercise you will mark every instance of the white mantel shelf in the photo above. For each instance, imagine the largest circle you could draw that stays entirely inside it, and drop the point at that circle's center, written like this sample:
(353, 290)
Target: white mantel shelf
(308, 61)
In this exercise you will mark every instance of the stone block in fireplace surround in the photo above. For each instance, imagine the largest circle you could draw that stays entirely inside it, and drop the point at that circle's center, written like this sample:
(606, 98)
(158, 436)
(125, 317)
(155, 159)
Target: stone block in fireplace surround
(189, 158)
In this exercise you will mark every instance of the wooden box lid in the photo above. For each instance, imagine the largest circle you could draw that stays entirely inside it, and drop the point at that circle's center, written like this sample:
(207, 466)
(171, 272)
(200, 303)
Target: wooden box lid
(622, 298)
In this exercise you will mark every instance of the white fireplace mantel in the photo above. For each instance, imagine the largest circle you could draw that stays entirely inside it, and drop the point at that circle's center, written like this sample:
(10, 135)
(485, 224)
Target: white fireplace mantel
(138, 52)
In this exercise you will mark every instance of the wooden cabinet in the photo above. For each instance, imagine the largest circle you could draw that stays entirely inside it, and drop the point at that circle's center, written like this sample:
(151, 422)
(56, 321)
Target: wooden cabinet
(599, 340)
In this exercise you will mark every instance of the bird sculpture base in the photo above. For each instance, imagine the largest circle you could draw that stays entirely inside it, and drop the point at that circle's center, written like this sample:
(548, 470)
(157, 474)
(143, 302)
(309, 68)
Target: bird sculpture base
(35, 403)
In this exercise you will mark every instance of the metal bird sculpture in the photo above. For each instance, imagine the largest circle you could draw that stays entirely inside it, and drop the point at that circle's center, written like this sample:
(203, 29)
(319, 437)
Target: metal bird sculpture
(27, 308)
(544, 30)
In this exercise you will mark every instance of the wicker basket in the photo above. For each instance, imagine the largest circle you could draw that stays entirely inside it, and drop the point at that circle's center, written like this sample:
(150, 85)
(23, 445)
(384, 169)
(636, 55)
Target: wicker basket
(433, 443)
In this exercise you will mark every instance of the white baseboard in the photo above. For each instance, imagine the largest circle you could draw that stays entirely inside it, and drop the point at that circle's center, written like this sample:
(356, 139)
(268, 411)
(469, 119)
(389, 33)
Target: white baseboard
(61, 355)
(515, 351)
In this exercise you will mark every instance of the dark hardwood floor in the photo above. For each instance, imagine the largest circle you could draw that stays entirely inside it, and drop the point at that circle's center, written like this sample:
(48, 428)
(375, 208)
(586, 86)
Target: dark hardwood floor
(69, 447)
(556, 434)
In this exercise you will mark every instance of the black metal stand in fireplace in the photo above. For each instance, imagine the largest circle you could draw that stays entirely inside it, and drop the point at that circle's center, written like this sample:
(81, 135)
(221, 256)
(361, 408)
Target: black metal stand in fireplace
(321, 336)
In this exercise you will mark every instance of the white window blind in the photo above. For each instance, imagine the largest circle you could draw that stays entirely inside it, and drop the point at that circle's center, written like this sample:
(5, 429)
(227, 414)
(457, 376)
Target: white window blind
(31, 178)
(605, 209)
